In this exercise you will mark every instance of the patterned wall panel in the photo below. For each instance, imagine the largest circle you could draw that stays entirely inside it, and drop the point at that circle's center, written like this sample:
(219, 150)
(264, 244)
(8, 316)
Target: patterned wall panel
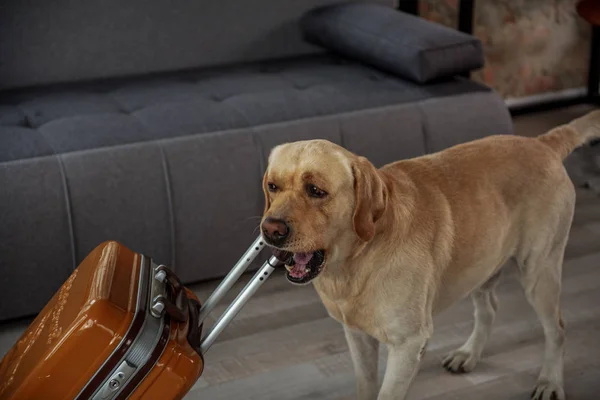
(531, 46)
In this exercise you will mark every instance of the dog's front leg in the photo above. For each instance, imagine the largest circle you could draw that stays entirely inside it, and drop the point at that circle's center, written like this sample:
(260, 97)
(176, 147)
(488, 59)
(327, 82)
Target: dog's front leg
(402, 365)
(364, 350)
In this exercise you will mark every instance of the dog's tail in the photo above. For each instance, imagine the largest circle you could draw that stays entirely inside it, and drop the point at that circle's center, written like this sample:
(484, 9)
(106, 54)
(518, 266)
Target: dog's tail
(565, 138)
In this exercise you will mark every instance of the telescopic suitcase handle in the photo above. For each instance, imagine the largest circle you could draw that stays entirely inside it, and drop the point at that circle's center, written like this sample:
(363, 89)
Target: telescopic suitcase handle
(242, 298)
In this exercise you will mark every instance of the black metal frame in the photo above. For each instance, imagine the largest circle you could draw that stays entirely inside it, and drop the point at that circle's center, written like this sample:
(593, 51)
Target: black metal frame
(594, 72)
(409, 6)
(466, 13)
(466, 16)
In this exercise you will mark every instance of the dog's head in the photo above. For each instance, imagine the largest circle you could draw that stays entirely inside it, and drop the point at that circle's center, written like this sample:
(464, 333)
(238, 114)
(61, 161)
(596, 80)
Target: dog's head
(320, 202)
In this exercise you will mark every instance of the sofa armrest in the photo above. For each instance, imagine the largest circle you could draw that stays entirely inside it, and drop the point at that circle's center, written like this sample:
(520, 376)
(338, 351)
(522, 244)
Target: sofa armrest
(391, 40)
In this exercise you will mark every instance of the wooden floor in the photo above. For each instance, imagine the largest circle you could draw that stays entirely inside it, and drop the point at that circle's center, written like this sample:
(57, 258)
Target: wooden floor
(283, 346)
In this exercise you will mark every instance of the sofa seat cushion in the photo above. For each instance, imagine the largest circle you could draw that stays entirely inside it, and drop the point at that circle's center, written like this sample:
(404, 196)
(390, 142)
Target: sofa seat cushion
(84, 116)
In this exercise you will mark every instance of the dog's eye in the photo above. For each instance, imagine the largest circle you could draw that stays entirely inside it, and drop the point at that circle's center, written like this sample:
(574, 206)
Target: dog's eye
(272, 187)
(314, 191)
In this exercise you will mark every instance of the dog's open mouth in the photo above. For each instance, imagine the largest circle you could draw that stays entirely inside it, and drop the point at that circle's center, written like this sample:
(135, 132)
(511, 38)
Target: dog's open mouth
(302, 267)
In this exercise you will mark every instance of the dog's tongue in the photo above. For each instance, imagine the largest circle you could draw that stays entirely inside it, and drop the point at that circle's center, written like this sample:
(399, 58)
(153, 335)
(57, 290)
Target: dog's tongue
(302, 258)
(300, 262)
(298, 271)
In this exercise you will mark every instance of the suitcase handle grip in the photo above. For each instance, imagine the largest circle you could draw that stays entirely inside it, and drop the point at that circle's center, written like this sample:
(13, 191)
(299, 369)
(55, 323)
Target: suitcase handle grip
(195, 328)
(178, 308)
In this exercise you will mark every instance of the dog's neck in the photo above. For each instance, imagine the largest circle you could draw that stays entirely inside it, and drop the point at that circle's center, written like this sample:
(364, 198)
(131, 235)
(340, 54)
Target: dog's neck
(402, 198)
(341, 278)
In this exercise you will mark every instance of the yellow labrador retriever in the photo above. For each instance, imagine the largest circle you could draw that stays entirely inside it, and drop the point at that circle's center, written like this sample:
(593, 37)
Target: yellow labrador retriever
(387, 249)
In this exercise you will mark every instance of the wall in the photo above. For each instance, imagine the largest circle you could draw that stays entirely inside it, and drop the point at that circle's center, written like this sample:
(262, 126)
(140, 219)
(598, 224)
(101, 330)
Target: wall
(531, 46)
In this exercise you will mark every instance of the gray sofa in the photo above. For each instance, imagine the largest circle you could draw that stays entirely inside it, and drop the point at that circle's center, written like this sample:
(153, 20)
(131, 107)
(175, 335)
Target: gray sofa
(150, 122)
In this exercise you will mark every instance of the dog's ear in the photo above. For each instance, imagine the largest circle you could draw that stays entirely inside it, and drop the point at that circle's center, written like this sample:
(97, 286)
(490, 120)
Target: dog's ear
(266, 192)
(371, 198)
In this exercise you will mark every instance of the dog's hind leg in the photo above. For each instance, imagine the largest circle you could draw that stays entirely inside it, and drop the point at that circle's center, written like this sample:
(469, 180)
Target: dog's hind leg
(541, 274)
(542, 284)
(466, 357)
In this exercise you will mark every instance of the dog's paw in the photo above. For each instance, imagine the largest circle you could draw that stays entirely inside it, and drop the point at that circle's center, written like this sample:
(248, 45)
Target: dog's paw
(460, 361)
(546, 390)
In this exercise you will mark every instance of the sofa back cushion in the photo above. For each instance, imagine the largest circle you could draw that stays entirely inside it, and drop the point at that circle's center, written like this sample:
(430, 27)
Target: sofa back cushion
(44, 42)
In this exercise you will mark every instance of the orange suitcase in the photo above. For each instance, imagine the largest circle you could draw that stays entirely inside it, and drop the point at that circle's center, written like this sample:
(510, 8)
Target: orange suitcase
(121, 327)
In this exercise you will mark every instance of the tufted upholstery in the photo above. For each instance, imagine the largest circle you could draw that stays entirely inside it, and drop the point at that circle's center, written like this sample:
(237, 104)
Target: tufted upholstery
(66, 119)
(171, 165)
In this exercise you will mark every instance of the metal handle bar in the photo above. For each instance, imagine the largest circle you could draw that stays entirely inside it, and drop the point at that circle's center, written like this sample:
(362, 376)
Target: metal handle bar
(234, 308)
(242, 298)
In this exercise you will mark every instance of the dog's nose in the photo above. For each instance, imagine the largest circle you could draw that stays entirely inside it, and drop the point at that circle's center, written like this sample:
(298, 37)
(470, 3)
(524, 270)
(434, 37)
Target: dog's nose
(275, 230)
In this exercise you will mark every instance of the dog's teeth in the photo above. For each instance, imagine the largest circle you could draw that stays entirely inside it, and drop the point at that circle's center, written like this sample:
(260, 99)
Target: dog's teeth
(289, 268)
(307, 270)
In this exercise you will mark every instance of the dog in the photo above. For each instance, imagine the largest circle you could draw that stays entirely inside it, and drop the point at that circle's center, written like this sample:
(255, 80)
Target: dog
(387, 249)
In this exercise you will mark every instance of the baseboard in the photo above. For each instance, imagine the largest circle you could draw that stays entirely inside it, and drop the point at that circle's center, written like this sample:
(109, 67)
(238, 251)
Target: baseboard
(548, 101)
(566, 94)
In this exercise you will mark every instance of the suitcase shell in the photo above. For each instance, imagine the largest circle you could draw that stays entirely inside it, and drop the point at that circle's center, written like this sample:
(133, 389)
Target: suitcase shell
(119, 327)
